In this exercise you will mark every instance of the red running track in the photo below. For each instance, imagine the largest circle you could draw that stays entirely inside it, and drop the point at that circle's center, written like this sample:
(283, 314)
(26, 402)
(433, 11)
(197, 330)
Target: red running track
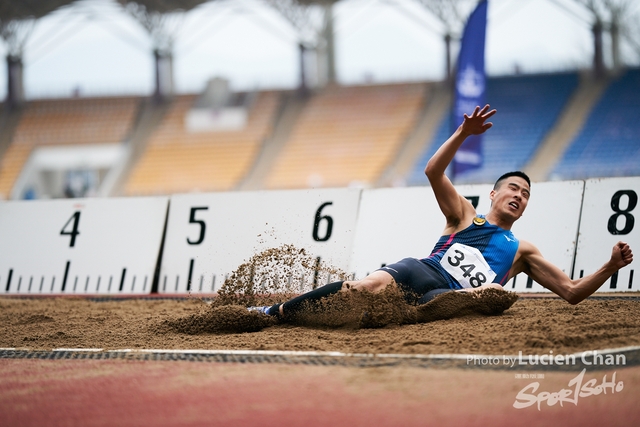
(168, 393)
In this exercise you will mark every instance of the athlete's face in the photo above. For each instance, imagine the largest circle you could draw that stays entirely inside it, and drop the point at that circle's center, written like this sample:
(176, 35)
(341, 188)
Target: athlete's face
(511, 196)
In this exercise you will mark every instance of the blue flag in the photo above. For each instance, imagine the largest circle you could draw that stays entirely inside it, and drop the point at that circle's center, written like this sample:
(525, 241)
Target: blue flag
(470, 87)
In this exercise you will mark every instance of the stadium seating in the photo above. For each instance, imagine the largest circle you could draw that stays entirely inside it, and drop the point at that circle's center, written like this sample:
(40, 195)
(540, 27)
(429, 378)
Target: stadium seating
(344, 136)
(63, 122)
(177, 160)
(528, 107)
(609, 143)
(416, 176)
(347, 136)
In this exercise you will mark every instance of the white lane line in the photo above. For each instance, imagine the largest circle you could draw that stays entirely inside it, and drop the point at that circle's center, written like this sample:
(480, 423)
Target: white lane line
(443, 356)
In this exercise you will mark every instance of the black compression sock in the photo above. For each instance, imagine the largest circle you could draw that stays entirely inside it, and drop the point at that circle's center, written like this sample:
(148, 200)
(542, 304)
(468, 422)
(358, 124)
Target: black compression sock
(294, 305)
(274, 310)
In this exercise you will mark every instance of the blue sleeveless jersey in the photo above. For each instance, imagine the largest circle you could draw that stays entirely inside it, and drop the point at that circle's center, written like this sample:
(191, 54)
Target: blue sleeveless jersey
(498, 247)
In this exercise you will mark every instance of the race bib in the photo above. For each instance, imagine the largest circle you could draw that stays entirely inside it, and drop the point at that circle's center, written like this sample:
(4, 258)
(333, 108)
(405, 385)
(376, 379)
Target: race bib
(467, 266)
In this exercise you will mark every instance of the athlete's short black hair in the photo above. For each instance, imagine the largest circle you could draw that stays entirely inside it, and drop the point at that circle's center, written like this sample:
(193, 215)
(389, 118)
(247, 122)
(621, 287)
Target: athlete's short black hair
(519, 174)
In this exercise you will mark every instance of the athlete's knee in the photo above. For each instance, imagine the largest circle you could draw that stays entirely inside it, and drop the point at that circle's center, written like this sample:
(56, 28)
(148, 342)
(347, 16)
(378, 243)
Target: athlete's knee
(369, 284)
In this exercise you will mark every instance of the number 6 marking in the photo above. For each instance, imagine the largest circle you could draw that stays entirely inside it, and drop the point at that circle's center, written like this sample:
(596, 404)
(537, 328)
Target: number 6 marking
(316, 224)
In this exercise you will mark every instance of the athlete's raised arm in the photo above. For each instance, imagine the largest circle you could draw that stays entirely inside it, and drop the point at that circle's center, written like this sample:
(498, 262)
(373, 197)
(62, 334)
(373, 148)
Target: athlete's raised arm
(455, 207)
(530, 261)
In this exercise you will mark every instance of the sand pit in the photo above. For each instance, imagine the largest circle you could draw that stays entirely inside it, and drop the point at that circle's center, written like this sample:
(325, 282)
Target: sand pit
(534, 325)
(493, 322)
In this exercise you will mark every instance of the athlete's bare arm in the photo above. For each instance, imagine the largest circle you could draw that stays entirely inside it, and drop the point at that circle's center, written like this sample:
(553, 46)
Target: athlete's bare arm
(529, 260)
(457, 210)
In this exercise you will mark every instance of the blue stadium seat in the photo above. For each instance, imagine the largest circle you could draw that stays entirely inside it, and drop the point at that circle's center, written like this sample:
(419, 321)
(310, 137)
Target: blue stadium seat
(528, 107)
(417, 176)
(609, 143)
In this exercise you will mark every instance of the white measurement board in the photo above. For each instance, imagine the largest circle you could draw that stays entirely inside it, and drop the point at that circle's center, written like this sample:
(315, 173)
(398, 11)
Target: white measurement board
(397, 223)
(80, 246)
(211, 235)
(551, 223)
(610, 213)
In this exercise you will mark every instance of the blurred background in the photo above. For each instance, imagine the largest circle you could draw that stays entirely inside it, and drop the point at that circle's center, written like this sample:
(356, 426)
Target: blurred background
(156, 97)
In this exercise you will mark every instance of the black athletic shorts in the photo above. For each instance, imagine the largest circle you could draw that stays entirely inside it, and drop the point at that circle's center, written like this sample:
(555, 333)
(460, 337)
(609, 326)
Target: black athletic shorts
(415, 278)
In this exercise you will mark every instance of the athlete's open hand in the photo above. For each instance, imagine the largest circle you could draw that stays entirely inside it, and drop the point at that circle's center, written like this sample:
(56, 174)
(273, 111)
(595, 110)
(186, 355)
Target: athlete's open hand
(621, 255)
(475, 124)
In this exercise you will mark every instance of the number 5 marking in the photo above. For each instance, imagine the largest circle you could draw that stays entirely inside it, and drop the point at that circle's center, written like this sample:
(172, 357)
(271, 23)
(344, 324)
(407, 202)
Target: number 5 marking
(201, 223)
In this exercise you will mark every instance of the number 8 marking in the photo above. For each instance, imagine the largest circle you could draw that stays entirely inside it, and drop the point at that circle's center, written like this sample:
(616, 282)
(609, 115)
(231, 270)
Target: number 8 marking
(615, 206)
(479, 278)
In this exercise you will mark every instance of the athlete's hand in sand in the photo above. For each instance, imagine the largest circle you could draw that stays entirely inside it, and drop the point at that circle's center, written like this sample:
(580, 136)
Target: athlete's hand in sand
(621, 255)
(475, 124)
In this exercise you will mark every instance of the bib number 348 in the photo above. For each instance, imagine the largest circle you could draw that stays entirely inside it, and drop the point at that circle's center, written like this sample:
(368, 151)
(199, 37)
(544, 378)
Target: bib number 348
(467, 266)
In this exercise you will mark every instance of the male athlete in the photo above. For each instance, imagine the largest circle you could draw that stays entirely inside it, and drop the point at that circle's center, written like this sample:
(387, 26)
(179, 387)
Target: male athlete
(475, 251)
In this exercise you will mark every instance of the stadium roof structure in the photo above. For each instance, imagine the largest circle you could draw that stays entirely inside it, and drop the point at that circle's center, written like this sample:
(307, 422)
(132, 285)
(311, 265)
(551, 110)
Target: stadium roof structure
(17, 19)
(165, 6)
(11, 10)
(28, 9)
(310, 2)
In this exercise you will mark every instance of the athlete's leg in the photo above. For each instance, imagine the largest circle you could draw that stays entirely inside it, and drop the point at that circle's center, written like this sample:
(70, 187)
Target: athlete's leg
(374, 282)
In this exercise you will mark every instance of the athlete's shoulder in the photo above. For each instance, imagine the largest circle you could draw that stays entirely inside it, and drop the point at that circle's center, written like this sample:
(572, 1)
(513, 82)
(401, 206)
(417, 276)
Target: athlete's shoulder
(526, 253)
(464, 219)
(526, 248)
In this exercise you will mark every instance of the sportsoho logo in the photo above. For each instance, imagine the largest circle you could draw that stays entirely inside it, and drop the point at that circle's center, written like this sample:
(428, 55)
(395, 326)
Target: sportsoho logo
(577, 388)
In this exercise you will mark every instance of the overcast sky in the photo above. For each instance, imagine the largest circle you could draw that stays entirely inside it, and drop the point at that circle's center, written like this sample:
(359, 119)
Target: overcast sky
(99, 49)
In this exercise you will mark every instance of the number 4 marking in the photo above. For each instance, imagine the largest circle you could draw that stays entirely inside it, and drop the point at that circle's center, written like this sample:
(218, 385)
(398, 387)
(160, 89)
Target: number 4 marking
(74, 230)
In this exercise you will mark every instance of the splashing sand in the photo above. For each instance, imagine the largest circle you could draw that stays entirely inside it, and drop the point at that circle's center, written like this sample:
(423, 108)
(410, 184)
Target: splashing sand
(278, 274)
(275, 275)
